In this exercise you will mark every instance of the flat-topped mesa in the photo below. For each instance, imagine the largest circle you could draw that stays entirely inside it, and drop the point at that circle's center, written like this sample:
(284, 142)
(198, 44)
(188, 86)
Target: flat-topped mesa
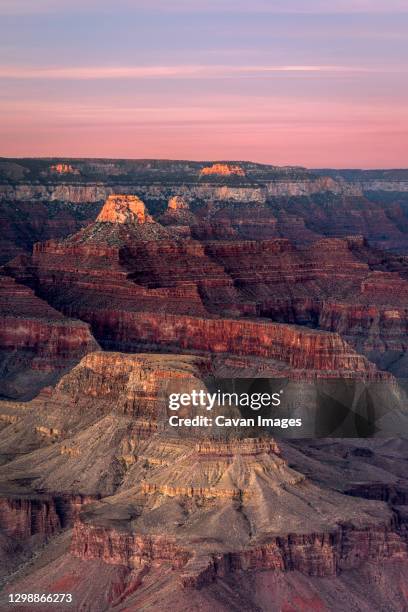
(177, 203)
(223, 170)
(124, 209)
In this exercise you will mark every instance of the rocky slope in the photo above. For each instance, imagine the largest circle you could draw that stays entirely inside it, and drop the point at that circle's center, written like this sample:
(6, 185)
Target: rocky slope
(37, 343)
(235, 509)
(289, 542)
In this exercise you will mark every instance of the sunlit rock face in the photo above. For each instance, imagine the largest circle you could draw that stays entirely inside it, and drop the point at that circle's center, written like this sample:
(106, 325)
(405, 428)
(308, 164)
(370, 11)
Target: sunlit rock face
(124, 209)
(64, 169)
(223, 170)
(178, 203)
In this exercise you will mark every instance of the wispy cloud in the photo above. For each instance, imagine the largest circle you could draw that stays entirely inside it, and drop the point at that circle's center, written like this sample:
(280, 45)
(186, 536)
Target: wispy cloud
(180, 71)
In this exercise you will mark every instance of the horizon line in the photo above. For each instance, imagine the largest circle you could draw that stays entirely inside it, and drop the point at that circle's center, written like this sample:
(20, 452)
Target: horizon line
(197, 161)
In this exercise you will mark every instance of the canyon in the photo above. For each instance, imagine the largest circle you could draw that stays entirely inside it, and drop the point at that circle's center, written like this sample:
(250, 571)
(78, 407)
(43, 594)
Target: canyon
(157, 276)
(290, 202)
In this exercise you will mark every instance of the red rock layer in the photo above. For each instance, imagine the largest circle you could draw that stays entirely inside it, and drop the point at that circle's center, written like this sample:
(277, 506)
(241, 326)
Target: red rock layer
(93, 274)
(330, 286)
(35, 340)
(23, 517)
(132, 301)
(121, 548)
(298, 347)
(323, 554)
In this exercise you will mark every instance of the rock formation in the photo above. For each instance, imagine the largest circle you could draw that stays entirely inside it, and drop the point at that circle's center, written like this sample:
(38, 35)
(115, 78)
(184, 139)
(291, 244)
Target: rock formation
(177, 203)
(281, 520)
(222, 170)
(151, 273)
(64, 169)
(124, 209)
(167, 500)
(37, 343)
(329, 202)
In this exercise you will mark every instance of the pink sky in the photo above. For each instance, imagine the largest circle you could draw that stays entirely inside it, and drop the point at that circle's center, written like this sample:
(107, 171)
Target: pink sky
(171, 81)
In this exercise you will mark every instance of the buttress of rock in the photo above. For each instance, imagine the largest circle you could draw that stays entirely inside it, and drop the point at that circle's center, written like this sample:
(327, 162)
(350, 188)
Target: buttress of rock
(177, 203)
(123, 209)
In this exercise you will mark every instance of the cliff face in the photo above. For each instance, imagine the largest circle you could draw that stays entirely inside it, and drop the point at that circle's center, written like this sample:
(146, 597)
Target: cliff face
(301, 349)
(205, 190)
(365, 305)
(315, 555)
(22, 518)
(166, 292)
(310, 187)
(128, 384)
(37, 343)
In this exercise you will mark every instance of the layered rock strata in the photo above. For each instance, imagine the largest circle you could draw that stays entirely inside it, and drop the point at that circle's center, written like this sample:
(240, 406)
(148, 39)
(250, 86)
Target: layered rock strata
(37, 343)
(243, 490)
(360, 299)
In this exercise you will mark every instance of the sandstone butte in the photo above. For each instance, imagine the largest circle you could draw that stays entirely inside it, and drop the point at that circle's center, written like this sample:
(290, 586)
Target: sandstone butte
(125, 209)
(222, 170)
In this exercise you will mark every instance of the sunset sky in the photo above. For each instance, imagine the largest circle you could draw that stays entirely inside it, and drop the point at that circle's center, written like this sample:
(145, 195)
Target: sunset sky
(307, 82)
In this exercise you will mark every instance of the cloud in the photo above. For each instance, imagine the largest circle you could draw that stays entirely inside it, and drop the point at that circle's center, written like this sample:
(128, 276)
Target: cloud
(177, 71)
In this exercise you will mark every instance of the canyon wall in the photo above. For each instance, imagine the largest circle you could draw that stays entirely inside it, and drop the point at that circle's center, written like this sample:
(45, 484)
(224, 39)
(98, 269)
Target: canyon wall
(37, 343)
(98, 192)
(90, 192)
